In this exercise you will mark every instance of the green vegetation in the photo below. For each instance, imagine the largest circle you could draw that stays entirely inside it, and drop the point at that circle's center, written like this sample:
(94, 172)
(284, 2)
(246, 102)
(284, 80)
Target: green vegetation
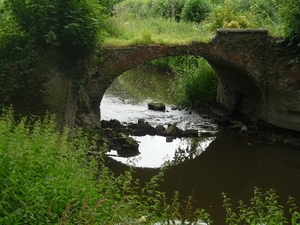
(195, 80)
(195, 10)
(46, 178)
(290, 13)
(71, 27)
(65, 31)
(131, 31)
(183, 21)
(263, 209)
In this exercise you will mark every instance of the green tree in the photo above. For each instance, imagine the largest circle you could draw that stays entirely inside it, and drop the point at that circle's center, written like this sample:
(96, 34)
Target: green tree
(290, 13)
(169, 8)
(224, 16)
(72, 27)
(195, 10)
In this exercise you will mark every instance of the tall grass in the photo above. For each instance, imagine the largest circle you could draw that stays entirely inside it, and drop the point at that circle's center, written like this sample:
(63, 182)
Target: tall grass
(46, 178)
(127, 30)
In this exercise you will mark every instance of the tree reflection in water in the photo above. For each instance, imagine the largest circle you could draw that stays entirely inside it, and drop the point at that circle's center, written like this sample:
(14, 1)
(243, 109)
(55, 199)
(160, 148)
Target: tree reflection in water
(193, 148)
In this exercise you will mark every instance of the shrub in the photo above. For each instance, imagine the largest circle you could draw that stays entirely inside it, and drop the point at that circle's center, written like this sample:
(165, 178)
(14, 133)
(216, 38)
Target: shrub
(195, 81)
(168, 8)
(147, 36)
(224, 16)
(290, 13)
(72, 27)
(195, 10)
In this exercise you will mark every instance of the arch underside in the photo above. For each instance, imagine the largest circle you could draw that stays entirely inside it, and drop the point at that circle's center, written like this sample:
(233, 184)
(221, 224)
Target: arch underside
(237, 90)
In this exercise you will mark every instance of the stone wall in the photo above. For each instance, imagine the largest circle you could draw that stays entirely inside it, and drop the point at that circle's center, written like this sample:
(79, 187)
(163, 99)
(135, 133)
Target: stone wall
(281, 105)
(45, 89)
(240, 62)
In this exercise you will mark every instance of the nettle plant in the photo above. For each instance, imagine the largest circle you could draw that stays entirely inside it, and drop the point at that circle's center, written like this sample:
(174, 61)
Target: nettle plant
(48, 178)
(263, 209)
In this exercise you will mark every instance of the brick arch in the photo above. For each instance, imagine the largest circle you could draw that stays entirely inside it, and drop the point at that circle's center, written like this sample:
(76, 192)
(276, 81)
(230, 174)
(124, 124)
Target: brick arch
(233, 92)
(251, 72)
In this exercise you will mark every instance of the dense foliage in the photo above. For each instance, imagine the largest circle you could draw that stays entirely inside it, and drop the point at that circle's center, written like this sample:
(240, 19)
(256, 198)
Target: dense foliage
(46, 178)
(290, 13)
(72, 27)
(280, 17)
(32, 29)
(195, 10)
(195, 79)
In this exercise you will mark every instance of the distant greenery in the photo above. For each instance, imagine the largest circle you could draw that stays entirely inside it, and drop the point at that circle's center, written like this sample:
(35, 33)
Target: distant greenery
(195, 79)
(130, 31)
(195, 10)
(51, 23)
(171, 21)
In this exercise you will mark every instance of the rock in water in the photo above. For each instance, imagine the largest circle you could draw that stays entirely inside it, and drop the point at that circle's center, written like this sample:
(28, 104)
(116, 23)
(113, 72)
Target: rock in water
(157, 106)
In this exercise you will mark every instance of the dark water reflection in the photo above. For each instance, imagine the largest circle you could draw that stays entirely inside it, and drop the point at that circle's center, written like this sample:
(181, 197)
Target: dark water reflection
(156, 152)
(223, 161)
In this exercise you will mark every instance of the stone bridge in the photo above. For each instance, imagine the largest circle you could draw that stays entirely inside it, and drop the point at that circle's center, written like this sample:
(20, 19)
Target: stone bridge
(256, 76)
(254, 73)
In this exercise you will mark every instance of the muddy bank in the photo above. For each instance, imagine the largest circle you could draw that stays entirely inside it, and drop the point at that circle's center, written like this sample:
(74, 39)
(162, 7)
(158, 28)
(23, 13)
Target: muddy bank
(238, 123)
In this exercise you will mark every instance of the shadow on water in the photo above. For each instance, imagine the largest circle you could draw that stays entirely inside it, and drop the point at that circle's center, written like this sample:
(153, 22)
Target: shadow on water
(219, 162)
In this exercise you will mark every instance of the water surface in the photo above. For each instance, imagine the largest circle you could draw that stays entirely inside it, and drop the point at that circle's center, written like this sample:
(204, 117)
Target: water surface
(215, 162)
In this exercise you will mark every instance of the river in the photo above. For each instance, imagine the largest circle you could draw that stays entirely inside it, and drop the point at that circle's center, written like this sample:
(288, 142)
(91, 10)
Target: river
(217, 161)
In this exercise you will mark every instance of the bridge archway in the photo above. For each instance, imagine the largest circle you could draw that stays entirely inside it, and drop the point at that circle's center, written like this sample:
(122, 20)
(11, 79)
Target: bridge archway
(238, 90)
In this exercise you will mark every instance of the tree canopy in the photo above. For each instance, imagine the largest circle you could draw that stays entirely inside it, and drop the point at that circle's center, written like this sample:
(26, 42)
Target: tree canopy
(74, 27)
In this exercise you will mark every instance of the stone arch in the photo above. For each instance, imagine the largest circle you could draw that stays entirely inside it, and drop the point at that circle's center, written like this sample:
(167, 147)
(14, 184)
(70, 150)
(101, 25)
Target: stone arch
(238, 89)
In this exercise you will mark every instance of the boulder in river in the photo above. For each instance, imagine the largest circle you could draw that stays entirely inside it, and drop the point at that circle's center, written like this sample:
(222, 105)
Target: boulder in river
(157, 106)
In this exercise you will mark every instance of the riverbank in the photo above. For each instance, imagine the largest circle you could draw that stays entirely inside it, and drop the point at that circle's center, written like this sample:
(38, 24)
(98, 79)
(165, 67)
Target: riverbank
(240, 124)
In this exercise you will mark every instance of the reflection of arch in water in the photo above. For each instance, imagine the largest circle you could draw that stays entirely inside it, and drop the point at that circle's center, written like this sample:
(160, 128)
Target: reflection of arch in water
(165, 153)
